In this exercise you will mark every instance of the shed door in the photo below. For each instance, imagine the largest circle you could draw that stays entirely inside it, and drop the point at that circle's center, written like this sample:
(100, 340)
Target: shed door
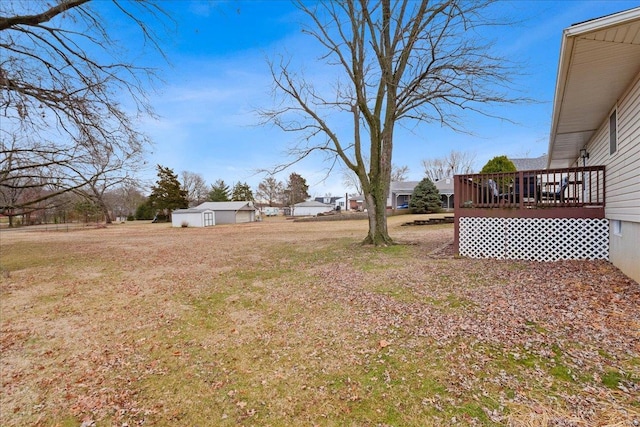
(208, 219)
(243, 216)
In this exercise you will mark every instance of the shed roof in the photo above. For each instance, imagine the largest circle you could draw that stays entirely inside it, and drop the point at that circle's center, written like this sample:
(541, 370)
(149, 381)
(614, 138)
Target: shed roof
(598, 60)
(191, 210)
(227, 206)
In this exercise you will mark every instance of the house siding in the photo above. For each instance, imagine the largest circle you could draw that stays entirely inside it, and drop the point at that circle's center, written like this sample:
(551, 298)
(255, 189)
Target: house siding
(311, 210)
(623, 249)
(623, 170)
(622, 179)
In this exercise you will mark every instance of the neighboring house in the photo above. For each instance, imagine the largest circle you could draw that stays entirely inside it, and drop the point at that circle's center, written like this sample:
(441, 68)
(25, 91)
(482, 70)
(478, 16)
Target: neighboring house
(597, 109)
(445, 188)
(530, 163)
(193, 217)
(231, 212)
(337, 202)
(311, 208)
(356, 203)
(400, 193)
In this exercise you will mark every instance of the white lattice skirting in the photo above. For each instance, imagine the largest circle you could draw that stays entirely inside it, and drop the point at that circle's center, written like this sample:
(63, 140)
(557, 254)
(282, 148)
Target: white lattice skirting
(540, 239)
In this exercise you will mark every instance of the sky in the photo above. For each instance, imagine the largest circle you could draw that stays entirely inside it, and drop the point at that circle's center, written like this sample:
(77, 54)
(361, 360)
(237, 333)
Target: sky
(218, 78)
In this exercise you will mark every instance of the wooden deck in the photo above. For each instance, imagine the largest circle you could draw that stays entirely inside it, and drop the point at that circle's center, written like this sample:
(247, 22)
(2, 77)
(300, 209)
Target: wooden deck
(569, 193)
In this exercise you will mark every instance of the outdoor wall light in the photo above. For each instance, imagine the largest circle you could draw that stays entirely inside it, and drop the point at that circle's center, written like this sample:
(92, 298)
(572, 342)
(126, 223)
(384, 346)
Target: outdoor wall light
(584, 155)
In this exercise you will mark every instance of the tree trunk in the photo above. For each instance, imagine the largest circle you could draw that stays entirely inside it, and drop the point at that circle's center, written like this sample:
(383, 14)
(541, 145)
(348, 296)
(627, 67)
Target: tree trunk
(377, 211)
(105, 211)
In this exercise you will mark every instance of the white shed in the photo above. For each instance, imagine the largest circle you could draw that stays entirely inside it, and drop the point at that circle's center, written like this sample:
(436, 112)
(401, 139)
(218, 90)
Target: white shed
(193, 217)
(310, 208)
(231, 212)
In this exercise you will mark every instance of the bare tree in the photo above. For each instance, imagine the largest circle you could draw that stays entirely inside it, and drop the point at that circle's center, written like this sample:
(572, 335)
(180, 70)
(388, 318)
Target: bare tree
(62, 81)
(399, 173)
(270, 190)
(351, 180)
(398, 61)
(124, 199)
(455, 163)
(196, 187)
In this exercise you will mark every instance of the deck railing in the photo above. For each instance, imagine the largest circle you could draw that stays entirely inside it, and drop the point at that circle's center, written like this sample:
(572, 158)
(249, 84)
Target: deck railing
(579, 187)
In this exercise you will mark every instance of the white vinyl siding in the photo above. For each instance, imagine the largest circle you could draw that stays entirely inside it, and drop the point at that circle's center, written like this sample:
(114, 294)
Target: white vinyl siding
(623, 168)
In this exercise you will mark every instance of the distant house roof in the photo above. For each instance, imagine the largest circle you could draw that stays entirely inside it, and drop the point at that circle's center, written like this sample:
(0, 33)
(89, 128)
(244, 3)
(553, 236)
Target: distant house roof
(312, 203)
(332, 199)
(444, 185)
(530, 163)
(227, 206)
(403, 186)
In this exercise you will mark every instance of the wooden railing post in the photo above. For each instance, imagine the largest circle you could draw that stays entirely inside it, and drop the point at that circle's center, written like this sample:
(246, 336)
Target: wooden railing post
(457, 206)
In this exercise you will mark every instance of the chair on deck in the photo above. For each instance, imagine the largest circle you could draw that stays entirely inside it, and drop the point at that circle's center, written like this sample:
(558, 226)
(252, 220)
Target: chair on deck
(490, 193)
(530, 189)
(558, 194)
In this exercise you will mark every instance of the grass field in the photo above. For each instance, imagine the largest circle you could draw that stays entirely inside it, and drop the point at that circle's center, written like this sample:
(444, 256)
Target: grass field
(278, 323)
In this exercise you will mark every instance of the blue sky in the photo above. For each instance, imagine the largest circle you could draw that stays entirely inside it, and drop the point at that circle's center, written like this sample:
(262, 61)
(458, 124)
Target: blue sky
(219, 76)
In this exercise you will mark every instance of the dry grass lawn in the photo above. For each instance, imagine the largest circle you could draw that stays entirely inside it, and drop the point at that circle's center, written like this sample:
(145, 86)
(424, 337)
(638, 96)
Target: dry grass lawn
(279, 323)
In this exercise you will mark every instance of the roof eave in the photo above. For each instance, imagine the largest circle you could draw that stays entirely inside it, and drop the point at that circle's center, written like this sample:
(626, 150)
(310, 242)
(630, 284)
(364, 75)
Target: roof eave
(567, 68)
(566, 49)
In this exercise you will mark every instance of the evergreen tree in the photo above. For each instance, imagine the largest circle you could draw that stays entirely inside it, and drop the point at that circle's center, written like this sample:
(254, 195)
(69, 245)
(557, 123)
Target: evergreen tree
(219, 192)
(242, 192)
(296, 190)
(145, 211)
(168, 195)
(425, 197)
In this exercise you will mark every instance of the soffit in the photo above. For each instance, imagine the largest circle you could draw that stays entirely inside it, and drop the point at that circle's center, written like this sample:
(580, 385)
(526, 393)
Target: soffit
(596, 66)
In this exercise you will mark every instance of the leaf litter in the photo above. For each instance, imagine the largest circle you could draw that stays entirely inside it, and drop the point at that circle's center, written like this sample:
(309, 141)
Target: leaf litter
(528, 343)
